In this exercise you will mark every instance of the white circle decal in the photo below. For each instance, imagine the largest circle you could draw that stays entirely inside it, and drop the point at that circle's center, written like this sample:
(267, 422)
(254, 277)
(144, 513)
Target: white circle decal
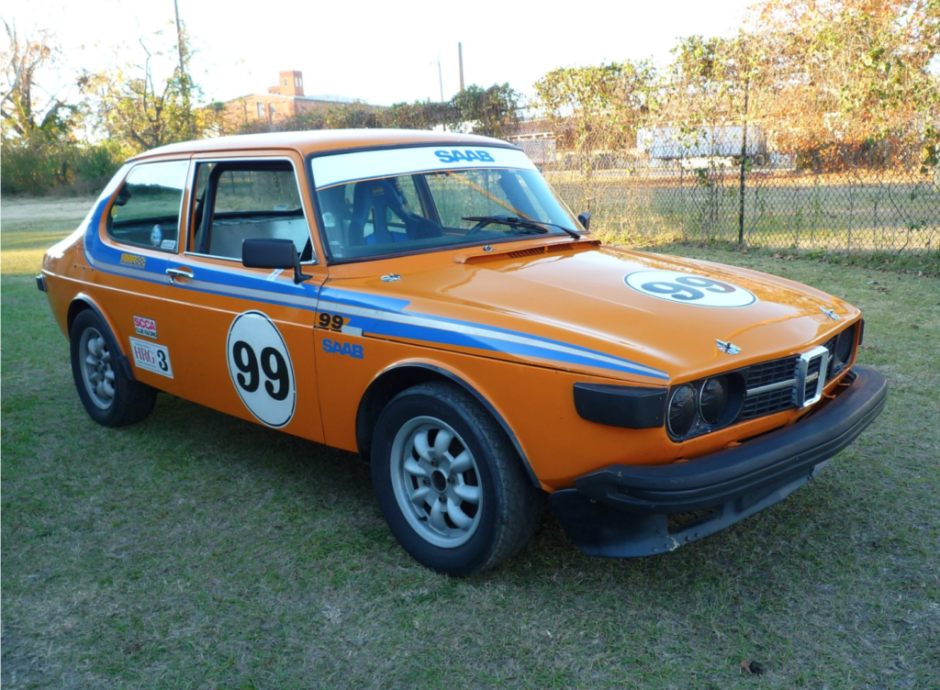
(260, 367)
(686, 288)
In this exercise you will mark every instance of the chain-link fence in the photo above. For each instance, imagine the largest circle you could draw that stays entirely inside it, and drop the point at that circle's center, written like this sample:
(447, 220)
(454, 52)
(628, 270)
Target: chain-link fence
(768, 201)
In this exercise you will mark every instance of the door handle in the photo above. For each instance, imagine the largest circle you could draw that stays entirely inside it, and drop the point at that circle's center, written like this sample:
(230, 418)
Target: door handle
(183, 274)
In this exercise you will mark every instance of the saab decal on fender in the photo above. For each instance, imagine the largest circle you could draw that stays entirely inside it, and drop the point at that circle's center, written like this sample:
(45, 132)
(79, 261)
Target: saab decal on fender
(333, 347)
(261, 369)
(687, 288)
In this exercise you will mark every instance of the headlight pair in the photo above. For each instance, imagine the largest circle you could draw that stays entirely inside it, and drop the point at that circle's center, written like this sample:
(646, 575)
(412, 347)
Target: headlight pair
(704, 405)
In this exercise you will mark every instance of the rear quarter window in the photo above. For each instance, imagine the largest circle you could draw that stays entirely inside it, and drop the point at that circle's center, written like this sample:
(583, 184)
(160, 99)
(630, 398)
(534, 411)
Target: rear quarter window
(146, 211)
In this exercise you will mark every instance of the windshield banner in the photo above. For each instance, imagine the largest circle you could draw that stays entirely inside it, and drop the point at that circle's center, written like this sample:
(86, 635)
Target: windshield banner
(329, 171)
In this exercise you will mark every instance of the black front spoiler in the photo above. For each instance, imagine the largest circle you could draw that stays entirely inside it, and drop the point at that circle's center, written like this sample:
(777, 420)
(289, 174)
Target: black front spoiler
(624, 510)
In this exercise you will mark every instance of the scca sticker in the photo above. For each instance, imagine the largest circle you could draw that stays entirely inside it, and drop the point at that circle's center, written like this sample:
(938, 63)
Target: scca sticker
(261, 370)
(145, 326)
(457, 155)
(686, 288)
(333, 347)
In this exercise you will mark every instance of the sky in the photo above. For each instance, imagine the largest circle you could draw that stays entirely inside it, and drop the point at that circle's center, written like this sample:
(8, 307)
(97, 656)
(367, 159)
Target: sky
(378, 52)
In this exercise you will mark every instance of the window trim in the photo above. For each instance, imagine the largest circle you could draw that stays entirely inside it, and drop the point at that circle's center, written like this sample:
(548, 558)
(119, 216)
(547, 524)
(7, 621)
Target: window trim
(247, 161)
(330, 260)
(181, 221)
(315, 201)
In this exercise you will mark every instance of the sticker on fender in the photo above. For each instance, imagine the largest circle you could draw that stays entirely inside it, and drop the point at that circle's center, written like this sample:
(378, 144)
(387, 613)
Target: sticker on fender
(152, 357)
(333, 347)
(261, 370)
(686, 288)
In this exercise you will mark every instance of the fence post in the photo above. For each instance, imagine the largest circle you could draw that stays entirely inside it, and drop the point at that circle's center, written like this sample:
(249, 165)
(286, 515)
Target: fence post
(741, 189)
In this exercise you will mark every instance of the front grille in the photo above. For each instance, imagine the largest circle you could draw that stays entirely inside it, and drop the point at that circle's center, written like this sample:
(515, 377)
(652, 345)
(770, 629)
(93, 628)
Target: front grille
(767, 403)
(781, 378)
(767, 373)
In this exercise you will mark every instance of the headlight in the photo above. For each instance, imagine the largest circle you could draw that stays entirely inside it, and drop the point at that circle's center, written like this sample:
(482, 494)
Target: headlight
(713, 400)
(681, 414)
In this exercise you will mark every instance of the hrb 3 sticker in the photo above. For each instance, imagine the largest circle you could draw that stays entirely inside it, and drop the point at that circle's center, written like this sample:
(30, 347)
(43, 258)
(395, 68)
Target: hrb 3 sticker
(261, 370)
(686, 288)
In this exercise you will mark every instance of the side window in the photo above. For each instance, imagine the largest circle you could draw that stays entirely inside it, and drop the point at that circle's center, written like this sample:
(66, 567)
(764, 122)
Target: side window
(239, 201)
(146, 212)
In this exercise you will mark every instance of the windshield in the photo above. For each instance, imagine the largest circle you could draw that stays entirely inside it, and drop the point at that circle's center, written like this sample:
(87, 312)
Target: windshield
(374, 203)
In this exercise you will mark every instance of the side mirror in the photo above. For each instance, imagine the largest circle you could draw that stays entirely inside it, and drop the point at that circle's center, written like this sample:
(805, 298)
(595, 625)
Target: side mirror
(273, 254)
(585, 220)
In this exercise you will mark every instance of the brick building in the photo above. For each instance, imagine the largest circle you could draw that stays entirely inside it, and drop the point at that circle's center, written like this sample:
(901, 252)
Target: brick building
(284, 100)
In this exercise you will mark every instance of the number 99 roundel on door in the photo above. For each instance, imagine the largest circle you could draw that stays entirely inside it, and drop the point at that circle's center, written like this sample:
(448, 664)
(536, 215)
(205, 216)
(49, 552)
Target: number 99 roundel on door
(261, 370)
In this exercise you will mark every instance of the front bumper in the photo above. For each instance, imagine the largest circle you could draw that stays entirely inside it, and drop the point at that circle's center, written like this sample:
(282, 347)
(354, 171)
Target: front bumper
(624, 510)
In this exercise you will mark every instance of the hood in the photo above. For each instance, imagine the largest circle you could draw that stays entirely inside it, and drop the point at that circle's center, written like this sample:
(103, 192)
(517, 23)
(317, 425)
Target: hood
(660, 315)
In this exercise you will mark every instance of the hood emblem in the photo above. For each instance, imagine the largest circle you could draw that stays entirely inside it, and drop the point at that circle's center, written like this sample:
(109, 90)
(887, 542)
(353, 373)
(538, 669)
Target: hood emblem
(830, 313)
(391, 278)
(728, 348)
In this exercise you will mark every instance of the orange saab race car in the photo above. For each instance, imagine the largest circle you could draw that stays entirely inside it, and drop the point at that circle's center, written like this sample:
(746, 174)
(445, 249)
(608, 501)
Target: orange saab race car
(426, 300)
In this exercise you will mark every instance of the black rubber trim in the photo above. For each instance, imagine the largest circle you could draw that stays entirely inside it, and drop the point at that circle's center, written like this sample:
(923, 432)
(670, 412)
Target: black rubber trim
(623, 511)
(720, 477)
(41, 282)
(629, 407)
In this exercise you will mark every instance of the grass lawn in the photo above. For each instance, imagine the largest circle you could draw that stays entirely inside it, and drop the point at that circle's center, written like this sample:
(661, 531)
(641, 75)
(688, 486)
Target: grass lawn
(195, 550)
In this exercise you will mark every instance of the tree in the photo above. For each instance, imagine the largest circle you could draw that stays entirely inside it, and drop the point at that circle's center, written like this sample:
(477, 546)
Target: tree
(599, 108)
(851, 76)
(492, 111)
(25, 111)
(144, 111)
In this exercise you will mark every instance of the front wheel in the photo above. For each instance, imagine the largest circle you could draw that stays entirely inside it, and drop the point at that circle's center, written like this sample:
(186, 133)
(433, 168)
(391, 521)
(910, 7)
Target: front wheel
(110, 397)
(450, 484)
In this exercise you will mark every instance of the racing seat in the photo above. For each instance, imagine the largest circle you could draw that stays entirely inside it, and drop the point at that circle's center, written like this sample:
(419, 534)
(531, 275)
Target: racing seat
(372, 199)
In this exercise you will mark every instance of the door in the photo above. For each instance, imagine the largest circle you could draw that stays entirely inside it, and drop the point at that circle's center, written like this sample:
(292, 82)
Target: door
(247, 333)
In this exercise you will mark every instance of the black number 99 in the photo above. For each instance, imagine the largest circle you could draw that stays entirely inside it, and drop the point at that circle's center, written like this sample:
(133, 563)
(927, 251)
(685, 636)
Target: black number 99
(273, 366)
(332, 321)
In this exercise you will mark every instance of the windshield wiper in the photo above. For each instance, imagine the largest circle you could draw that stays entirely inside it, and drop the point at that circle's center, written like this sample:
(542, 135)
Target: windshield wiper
(514, 221)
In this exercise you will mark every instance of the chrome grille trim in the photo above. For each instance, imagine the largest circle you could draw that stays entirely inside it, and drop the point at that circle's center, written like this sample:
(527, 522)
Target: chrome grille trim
(814, 363)
(772, 387)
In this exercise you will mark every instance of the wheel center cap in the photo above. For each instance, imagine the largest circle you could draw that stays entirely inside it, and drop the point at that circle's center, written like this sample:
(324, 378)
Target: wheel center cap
(438, 480)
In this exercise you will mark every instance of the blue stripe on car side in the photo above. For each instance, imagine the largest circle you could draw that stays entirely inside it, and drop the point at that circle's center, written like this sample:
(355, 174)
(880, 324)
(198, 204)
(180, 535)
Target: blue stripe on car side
(448, 337)
(101, 255)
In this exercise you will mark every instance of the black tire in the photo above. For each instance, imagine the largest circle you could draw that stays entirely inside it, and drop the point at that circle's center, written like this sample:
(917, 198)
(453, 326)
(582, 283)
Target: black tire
(463, 537)
(119, 399)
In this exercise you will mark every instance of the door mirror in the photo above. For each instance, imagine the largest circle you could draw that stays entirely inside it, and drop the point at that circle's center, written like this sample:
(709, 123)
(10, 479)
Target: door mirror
(265, 253)
(585, 220)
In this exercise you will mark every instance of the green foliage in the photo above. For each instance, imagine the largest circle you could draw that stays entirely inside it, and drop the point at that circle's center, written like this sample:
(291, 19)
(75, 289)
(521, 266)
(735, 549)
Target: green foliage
(142, 111)
(490, 112)
(599, 107)
(39, 165)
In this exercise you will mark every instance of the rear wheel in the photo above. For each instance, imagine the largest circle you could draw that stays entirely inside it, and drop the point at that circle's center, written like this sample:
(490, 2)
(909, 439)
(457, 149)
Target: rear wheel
(450, 484)
(110, 397)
